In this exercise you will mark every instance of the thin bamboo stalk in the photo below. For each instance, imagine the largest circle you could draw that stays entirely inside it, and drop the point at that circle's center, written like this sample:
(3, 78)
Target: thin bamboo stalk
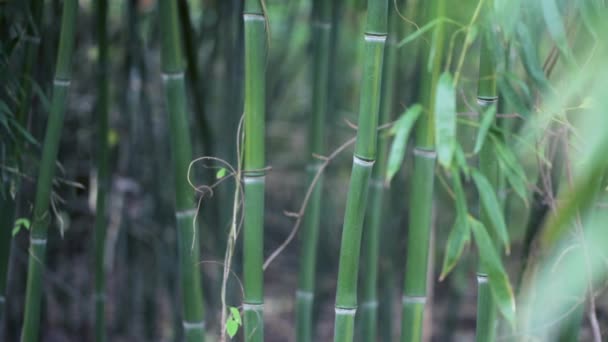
(185, 208)
(422, 189)
(103, 179)
(363, 161)
(321, 33)
(254, 174)
(14, 147)
(31, 53)
(374, 223)
(192, 71)
(487, 97)
(50, 147)
(7, 216)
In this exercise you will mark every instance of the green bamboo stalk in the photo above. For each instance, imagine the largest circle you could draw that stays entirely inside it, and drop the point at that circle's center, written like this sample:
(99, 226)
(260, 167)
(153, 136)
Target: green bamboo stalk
(321, 33)
(254, 175)
(7, 216)
(422, 189)
(374, 223)
(33, 44)
(487, 97)
(190, 49)
(14, 147)
(363, 161)
(103, 179)
(185, 208)
(50, 147)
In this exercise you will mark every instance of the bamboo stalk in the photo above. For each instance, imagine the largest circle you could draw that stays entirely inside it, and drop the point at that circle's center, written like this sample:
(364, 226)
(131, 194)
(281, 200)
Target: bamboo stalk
(185, 209)
(422, 189)
(321, 33)
(254, 174)
(14, 147)
(374, 223)
(7, 217)
(31, 53)
(363, 161)
(103, 179)
(487, 97)
(50, 147)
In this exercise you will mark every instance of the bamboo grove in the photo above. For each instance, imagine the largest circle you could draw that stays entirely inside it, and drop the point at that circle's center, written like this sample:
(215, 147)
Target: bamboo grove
(306, 170)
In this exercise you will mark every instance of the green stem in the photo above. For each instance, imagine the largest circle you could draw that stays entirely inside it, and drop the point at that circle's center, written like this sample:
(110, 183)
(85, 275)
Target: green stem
(422, 188)
(50, 147)
(375, 222)
(363, 160)
(321, 30)
(185, 208)
(254, 174)
(103, 181)
(486, 98)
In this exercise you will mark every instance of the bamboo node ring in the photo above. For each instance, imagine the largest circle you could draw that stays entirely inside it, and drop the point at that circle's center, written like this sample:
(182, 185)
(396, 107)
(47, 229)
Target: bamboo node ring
(429, 154)
(413, 299)
(363, 162)
(304, 294)
(253, 307)
(345, 311)
(35, 241)
(193, 325)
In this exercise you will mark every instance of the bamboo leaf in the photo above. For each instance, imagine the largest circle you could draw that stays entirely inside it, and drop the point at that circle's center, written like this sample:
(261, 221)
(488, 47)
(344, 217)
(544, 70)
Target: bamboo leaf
(401, 130)
(459, 238)
(427, 27)
(484, 127)
(507, 13)
(236, 315)
(460, 234)
(492, 207)
(512, 169)
(574, 200)
(461, 161)
(445, 119)
(232, 327)
(499, 281)
(530, 58)
(555, 25)
(220, 173)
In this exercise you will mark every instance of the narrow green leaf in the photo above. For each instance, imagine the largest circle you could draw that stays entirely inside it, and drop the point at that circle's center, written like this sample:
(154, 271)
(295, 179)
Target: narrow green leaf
(445, 119)
(220, 173)
(427, 27)
(23, 222)
(236, 315)
(459, 238)
(555, 25)
(401, 130)
(529, 56)
(574, 200)
(232, 327)
(484, 127)
(492, 207)
(499, 281)
(461, 161)
(512, 169)
(460, 234)
(16, 230)
(24, 133)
